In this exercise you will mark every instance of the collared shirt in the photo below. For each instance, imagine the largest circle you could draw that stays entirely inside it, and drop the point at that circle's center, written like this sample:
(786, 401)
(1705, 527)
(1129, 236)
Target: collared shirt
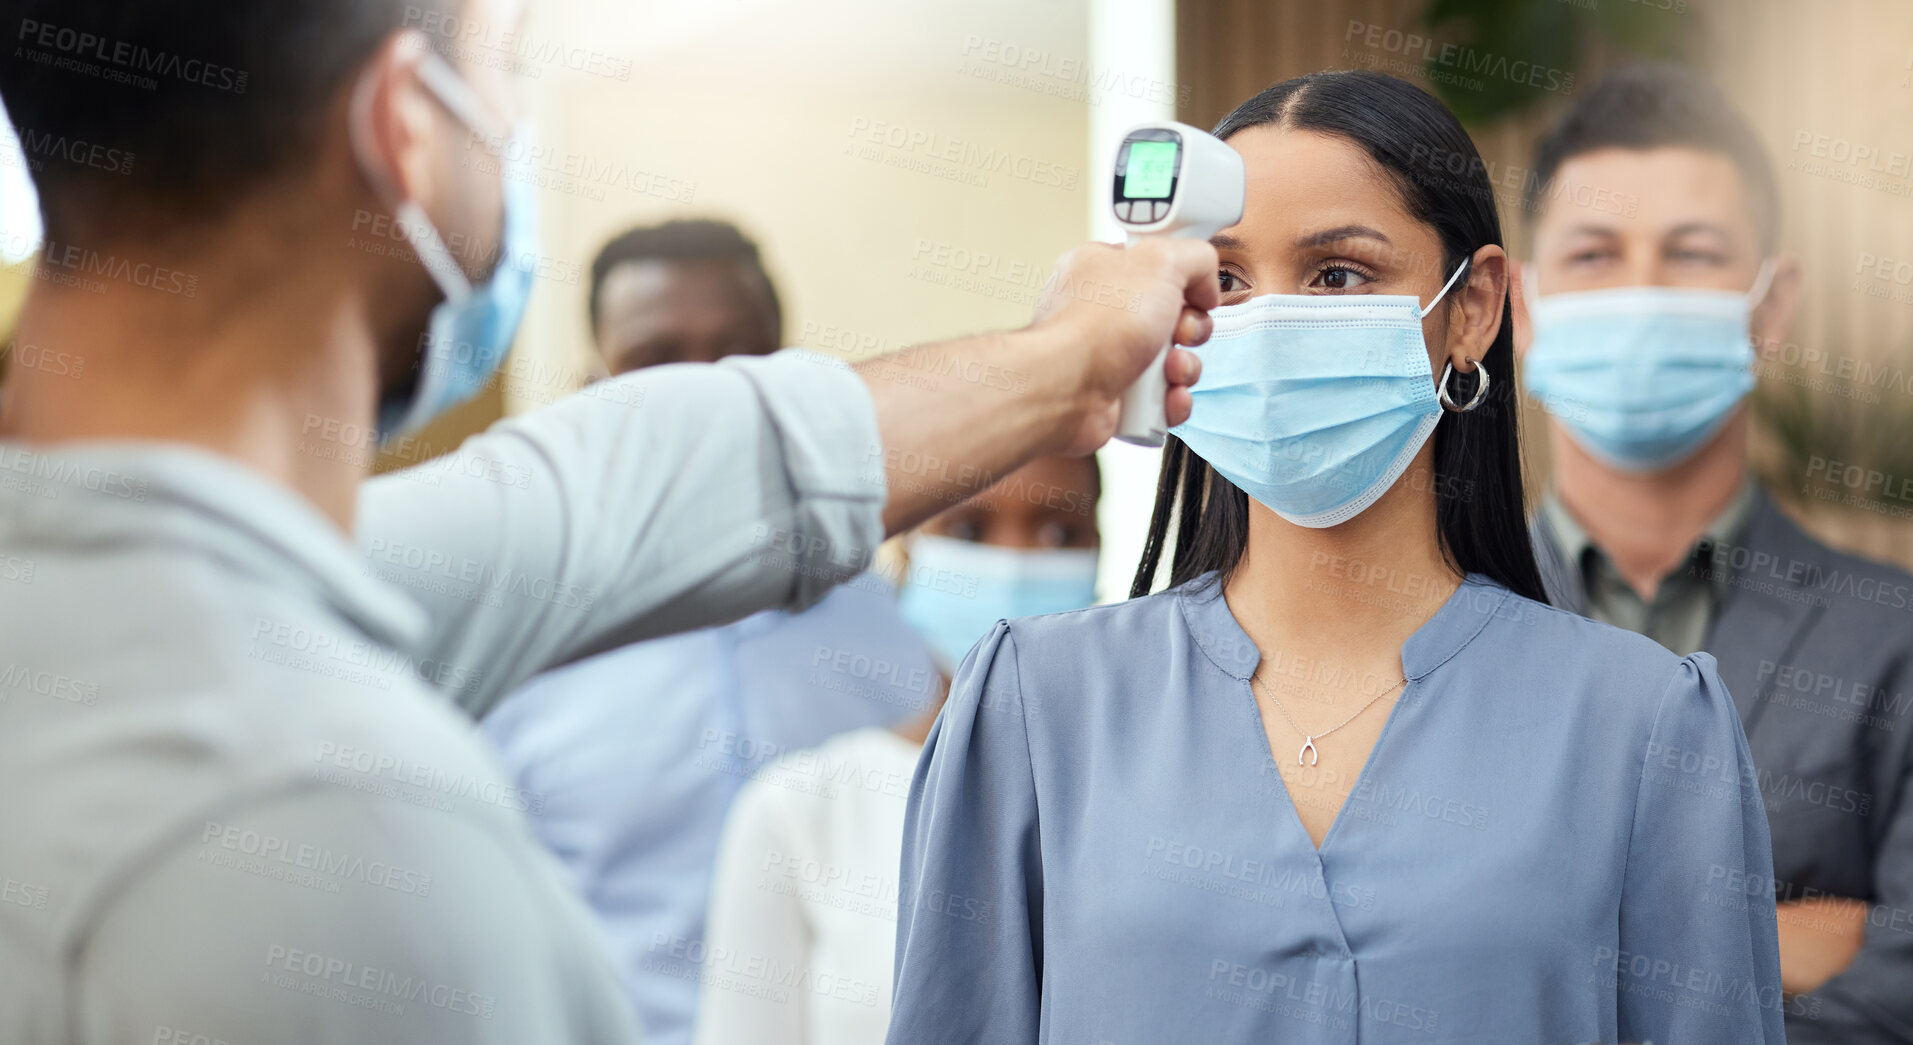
(1682, 610)
(1098, 844)
(636, 756)
(240, 808)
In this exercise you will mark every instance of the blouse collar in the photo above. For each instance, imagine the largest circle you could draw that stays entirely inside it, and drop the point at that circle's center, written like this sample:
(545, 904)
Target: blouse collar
(1474, 603)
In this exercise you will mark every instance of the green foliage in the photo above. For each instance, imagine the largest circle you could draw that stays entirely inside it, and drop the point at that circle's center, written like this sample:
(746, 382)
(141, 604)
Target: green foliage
(1816, 427)
(1510, 54)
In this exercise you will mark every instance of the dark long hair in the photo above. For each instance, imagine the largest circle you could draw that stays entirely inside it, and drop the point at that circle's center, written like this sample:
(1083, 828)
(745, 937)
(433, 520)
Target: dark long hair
(1478, 503)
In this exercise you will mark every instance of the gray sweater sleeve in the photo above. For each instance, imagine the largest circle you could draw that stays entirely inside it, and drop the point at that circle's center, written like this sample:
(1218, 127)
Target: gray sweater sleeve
(330, 916)
(659, 501)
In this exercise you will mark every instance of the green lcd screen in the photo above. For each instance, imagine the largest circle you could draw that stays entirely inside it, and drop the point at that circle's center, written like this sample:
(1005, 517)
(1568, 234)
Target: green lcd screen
(1151, 171)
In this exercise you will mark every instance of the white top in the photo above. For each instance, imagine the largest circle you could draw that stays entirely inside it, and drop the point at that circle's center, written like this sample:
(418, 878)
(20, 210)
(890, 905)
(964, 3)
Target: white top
(239, 807)
(803, 920)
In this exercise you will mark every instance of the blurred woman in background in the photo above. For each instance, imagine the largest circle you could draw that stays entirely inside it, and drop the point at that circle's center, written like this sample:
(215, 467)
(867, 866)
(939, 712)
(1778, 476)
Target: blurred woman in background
(1349, 777)
(804, 903)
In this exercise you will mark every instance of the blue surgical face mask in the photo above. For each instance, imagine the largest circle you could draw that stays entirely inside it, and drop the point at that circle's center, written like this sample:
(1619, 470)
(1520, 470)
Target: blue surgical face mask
(957, 589)
(1314, 404)
(1642, 377)
(471, 331)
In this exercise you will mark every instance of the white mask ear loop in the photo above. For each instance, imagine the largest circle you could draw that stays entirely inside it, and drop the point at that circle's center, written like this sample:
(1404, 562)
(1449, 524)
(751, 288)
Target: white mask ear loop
(1761, 283)
(458, 96)
(1459, 269)
(1528, 293)
(442, 81)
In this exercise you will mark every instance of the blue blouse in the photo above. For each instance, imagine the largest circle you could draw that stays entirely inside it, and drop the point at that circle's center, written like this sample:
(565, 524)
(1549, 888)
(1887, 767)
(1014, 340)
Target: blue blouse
(1544, 846)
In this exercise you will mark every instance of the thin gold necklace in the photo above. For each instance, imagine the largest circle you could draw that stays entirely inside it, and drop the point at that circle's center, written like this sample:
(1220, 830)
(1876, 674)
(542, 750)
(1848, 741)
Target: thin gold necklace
(1308, 739)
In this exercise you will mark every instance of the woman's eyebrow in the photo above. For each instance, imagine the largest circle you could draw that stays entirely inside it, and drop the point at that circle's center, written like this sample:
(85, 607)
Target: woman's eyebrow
(1224, 241)
(1317, 239)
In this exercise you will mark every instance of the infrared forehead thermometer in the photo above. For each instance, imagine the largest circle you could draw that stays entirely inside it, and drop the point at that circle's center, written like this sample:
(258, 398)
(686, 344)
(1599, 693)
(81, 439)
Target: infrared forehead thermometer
(1171, 180)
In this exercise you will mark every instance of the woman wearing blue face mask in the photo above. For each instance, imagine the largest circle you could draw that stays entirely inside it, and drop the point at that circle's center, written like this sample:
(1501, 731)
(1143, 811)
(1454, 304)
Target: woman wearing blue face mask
(806, 881)
(1349, 777)
(1025, 546)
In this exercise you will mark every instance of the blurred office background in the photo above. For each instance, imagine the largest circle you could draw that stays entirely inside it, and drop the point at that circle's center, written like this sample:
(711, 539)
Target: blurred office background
(911, 170)
(1822, 83)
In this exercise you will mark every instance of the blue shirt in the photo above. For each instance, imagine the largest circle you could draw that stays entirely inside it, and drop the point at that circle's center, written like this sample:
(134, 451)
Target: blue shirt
(1553, 841)
(631, 759)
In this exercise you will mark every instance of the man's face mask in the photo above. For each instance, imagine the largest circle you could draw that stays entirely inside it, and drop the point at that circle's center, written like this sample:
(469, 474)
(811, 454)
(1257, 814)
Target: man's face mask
(471, 331)
(1642, 377)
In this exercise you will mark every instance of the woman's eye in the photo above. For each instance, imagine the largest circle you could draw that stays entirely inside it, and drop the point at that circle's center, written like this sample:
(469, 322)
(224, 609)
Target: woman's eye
(1336, 277)
(1058, 535)
(964, 530)
(1228, 281)
(1586, 257)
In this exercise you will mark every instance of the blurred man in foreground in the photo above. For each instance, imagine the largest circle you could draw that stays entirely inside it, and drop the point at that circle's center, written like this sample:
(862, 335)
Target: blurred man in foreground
(243, 809)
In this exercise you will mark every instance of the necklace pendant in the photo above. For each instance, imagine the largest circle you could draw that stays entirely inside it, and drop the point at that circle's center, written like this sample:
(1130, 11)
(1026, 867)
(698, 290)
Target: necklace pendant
(1308, 748)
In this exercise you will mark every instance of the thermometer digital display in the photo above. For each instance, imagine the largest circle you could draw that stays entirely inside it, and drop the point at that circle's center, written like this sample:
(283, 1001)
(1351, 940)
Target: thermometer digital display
(1152, 170)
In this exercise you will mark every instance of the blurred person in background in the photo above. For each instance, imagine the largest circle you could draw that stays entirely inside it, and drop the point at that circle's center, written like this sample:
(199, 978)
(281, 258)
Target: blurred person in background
(682, 292)
(257, 811)
(1655, 281)
(634, 756)
(803, 909)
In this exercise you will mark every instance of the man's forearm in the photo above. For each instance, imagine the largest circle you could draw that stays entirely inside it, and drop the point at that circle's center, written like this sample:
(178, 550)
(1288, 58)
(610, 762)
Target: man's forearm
(548, 538)
(1818, 940)
(956, 416)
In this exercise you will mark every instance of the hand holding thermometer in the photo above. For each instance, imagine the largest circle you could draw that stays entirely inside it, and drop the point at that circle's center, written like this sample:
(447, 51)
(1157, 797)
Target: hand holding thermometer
(1171, 180)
